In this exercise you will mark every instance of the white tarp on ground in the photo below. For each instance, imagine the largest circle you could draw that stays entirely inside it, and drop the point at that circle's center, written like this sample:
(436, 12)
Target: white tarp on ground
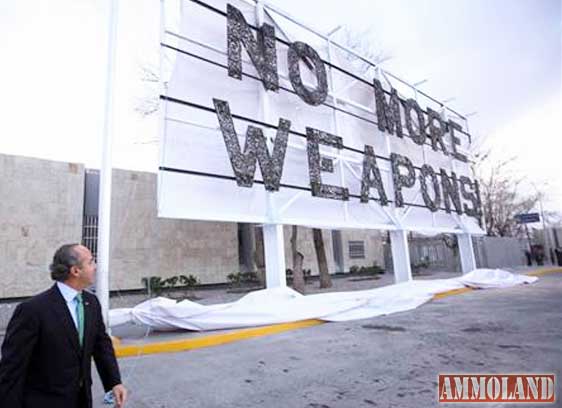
(282, 305)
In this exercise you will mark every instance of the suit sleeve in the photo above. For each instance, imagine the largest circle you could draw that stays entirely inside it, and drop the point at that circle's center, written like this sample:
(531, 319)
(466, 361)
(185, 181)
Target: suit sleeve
(104, 355)
(17, 349)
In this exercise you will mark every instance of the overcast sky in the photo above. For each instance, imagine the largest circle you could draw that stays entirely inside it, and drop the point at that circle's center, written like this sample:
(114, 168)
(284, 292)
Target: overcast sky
(501, 58)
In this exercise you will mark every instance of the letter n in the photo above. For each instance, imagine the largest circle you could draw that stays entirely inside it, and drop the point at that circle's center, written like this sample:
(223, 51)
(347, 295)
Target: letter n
(262, 50)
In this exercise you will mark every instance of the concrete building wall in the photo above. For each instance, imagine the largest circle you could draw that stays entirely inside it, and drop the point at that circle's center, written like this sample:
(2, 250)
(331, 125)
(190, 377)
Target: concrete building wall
(40, 209)
(144, 245)
(306, 247)
(373, 241)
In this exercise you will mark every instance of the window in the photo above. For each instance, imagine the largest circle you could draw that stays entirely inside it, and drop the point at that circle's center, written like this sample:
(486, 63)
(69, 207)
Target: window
(357, 249)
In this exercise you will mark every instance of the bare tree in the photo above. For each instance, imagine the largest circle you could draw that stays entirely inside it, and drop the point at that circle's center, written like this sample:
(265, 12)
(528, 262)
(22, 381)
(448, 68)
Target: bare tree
(149, 103)
(501, 194)
(362, 43)
(324, 273)
(298, 276)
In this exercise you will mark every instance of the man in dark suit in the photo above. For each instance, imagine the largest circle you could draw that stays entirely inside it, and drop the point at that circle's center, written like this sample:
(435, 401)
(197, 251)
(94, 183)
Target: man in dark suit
(52, 337)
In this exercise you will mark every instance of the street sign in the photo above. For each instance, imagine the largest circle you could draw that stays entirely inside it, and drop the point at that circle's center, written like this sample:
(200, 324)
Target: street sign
(527, 218)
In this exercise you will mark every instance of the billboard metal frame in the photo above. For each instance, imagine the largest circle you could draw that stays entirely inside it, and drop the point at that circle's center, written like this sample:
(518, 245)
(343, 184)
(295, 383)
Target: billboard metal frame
(273, 231)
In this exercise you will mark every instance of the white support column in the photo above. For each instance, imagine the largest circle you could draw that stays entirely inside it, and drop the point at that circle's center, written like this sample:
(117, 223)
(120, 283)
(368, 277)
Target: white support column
(274, 248)
(273, 240)
(400, 256)
(104, 216)
(466, 249)
(466, 252)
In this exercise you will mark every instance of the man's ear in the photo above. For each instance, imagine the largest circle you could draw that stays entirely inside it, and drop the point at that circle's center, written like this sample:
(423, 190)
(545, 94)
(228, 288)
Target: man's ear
(74, 270)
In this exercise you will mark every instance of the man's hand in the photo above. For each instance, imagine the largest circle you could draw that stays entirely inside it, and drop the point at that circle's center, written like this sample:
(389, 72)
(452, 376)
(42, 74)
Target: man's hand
(120, 395)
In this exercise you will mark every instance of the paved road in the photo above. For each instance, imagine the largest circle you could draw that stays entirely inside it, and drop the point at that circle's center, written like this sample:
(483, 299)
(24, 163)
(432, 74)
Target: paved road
(390, 361)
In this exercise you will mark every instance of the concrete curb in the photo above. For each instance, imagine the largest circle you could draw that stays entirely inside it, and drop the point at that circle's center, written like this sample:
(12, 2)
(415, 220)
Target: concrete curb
(542, 272)
(209, 341)
(138, 350)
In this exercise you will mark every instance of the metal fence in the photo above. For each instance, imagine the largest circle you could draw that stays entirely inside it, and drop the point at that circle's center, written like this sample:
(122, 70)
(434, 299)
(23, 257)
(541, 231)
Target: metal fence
(90, 233)
(490, 252)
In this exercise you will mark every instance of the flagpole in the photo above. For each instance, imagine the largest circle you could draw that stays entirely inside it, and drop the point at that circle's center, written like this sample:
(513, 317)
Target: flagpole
(102, 275)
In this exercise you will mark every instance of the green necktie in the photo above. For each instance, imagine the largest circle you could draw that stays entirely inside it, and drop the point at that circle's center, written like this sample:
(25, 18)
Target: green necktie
(80, 317)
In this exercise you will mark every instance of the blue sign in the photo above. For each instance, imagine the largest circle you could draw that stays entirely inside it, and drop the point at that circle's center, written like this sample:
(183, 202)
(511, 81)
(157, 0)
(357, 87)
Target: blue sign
(527, 218)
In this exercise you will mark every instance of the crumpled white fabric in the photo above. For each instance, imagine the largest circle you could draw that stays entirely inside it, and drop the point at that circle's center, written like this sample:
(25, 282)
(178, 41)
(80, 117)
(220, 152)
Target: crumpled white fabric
(282, 305)
(494, 278)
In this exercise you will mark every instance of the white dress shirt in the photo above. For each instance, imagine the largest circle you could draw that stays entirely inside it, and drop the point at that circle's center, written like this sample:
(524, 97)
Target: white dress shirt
(69, 295)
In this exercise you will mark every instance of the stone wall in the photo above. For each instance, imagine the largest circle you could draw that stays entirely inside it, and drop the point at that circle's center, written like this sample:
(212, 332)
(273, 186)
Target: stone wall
(372, 244)
(144, 245)
(40, 209)
(306, 247)
(373, 248)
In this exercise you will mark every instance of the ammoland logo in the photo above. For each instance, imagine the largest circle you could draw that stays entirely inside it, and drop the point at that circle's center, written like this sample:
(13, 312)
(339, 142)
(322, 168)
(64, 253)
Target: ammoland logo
(512, 388)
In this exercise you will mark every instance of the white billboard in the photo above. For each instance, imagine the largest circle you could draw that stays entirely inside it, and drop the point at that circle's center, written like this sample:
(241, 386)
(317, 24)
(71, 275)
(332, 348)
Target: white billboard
(265, 121)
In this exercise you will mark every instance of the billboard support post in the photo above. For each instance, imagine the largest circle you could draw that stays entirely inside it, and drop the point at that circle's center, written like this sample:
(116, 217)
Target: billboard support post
(400, 255)
(273, 237)
(466, 253)
(274, 251)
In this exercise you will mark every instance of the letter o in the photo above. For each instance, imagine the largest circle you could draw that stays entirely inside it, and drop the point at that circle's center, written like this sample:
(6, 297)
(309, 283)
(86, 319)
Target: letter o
(297, 51)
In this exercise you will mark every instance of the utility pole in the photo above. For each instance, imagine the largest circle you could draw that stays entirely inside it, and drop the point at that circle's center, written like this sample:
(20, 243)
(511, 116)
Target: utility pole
(544, 230)
(102, 275)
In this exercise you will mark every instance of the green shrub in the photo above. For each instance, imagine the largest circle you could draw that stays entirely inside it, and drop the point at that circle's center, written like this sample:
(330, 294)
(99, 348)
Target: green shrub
(423, 263)
(375, 269)
(155, 285)
(242, 278)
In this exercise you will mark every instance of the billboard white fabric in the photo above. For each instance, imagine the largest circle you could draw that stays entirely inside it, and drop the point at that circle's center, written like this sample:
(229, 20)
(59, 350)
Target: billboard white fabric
(281, 305)
(198, 177)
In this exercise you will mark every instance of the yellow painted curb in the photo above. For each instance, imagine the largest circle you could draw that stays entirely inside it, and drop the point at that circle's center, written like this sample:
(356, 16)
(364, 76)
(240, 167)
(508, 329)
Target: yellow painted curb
(116, 341)
(209, 341)
(544, 271)
(218, 339)
(452, 293)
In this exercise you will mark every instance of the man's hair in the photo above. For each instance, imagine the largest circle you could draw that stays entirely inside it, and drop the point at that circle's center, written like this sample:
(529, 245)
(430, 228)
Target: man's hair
(65, 258)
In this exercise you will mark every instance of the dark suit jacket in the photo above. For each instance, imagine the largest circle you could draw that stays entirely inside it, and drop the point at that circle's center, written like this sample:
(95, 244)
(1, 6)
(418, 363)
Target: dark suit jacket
(42, 362)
